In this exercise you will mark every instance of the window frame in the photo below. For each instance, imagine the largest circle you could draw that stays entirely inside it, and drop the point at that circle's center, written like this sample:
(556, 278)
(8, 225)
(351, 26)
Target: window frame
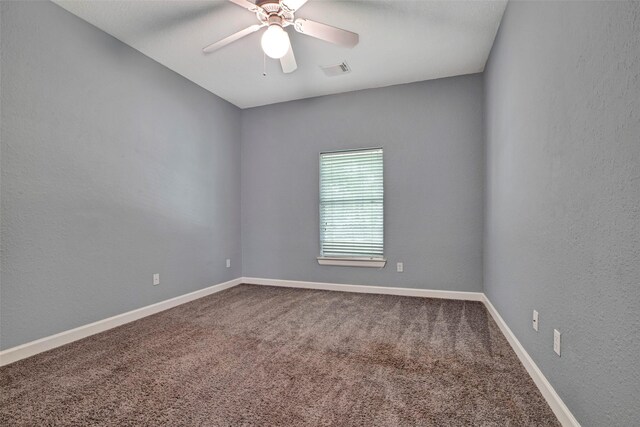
(349, 260)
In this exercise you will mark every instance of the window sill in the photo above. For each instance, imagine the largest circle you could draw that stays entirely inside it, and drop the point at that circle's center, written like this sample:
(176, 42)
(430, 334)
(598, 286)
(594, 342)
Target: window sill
(353, 262)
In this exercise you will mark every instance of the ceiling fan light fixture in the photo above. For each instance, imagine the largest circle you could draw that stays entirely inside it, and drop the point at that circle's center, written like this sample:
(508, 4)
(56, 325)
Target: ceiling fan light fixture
(277, 15)
(275, 42)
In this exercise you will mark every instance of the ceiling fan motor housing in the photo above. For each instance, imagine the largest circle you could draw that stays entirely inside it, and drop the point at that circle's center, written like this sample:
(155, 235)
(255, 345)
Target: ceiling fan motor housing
(271, 12)
(268, 4)
(275, 20)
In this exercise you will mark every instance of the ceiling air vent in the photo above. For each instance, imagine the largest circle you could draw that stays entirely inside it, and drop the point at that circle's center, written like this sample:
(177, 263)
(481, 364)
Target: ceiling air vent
(336, 70)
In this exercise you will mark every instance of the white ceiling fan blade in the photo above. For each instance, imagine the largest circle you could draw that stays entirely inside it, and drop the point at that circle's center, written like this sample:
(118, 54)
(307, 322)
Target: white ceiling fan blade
(233, 37)
(293, 5)
(327, 32)
(288, 62)
(246, 4)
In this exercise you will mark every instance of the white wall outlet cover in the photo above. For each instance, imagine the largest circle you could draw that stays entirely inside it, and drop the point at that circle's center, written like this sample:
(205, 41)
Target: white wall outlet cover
(156, 279)
(535, 320)
(556, 341)
(400, 267)
(228, 263)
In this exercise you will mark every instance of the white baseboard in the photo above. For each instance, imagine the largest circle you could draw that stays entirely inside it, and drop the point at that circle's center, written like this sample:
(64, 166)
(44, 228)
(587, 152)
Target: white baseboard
(561, 411)
(558, 407)
(407, 292)
(14, 354)
(32, 348)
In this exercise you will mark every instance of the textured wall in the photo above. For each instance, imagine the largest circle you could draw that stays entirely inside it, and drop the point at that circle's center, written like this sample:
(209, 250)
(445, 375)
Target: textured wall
(432, 134)
(113, 168)
(563, 197)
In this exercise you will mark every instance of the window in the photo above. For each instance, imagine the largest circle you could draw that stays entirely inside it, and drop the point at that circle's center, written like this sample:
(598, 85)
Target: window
(352, 208)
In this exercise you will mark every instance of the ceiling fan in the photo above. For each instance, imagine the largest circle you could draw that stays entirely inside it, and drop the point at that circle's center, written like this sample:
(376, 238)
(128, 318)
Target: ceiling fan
(277, 15)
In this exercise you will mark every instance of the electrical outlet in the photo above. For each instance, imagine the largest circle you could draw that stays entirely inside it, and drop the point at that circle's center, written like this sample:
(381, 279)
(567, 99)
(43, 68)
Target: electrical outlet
(556, 341)
(156, 279)
(228, 263)
(400, 267)
(535, 320)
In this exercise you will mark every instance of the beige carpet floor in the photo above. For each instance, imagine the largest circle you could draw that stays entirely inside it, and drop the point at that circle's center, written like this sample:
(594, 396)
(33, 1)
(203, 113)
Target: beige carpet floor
(266, 356)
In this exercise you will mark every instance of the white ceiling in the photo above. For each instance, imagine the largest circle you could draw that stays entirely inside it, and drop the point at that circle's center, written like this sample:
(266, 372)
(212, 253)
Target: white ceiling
(400, 41)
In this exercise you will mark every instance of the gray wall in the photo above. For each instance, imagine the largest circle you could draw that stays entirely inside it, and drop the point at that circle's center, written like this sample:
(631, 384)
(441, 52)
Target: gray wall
(113, 168)
(432, 134)
(563, 197)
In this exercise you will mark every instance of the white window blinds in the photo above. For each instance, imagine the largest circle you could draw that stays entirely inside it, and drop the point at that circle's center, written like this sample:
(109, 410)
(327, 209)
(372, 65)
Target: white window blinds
(351, 204)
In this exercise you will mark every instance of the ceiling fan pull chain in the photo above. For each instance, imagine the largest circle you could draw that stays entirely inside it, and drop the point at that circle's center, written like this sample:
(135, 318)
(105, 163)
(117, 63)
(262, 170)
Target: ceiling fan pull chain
(264, 64)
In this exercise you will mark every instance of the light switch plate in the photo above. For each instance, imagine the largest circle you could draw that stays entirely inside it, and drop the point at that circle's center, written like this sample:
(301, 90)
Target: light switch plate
(156, 279)
(556, 341)
(400, 267)
(228, 263)
(535, 320)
